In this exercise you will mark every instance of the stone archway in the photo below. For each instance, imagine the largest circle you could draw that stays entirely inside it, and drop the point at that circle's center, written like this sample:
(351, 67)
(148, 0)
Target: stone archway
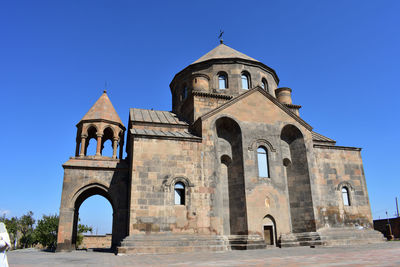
(86, 193)
(84, 178)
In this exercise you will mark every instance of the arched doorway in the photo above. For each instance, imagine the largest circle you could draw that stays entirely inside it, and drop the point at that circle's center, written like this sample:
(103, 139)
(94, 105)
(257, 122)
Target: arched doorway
(88, 192)
(269, 230)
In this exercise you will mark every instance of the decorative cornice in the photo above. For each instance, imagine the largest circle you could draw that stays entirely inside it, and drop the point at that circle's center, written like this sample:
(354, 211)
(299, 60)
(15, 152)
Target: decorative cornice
(171, 180)
(158, 124)
(163, 137)
(338, 147)
(96, 163)
(212, 95)
(344, 184)
(101, 120)
(255, 143)
(293, 106)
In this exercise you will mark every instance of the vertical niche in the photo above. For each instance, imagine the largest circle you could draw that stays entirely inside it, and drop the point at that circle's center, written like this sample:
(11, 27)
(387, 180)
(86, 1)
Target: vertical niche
(231, 181)
(298, 180)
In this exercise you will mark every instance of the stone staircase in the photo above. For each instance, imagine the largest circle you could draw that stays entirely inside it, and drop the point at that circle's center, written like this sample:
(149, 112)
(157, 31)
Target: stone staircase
(246, 242)
(177, 243)
(332, 237)
(300, 239)
(172, 243)
(350, 236)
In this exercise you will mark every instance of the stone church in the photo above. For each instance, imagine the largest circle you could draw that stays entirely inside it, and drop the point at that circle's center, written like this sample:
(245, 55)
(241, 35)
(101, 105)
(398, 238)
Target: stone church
(232, 166)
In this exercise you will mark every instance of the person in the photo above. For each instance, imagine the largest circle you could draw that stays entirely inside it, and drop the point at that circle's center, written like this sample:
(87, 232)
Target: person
(5, 245)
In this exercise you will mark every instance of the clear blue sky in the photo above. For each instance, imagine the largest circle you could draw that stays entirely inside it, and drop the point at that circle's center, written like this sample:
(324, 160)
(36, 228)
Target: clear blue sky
(341, 58)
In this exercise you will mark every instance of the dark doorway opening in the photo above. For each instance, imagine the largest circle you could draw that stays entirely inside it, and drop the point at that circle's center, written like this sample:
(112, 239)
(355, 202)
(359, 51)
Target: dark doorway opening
(269, 235)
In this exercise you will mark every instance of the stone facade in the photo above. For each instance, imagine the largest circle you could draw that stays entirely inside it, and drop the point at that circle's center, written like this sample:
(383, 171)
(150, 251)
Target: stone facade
(233, 166)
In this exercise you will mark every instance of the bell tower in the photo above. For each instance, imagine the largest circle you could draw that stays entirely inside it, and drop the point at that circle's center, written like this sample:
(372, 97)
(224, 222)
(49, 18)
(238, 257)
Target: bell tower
(87, 175)
(100, 123)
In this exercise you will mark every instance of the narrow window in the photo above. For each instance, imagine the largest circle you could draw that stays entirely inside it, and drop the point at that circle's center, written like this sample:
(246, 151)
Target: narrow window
(262, 160)
(245, 81)
(179, 193)
(264, 84)
(184, 92)
(222, 81)
(345, 196)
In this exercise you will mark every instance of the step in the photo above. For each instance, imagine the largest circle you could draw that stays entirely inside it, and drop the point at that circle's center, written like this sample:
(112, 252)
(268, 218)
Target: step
(172, 243)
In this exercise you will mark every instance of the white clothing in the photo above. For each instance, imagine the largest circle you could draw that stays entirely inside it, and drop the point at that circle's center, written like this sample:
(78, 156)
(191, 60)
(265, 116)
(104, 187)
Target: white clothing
(4, 246)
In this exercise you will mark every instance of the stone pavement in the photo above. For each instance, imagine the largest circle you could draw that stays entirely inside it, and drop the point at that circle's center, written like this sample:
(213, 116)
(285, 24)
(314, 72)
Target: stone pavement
(384, 254)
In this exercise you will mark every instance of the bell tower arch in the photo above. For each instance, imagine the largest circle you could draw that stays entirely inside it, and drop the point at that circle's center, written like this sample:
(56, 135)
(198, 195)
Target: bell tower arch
(86, 175)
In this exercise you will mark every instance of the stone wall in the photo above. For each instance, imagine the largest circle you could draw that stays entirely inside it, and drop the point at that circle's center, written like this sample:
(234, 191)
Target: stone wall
(338, 167)
(157, 164)
(96, 241)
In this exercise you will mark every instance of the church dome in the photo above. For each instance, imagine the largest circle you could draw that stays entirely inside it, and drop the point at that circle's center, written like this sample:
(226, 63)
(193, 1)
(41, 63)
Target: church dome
(223, 72)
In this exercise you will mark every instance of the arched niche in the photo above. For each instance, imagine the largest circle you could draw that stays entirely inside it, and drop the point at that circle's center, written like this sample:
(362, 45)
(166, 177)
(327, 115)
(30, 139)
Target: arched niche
(298, 180)
(231, 176)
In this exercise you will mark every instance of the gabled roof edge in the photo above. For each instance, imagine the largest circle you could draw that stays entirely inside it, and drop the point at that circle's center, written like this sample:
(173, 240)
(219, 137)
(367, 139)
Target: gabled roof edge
(251, 91)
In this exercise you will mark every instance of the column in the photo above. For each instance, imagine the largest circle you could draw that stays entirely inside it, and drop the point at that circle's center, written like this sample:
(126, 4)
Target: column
(98, 149)
(115, 146)
(65, 229)
(83, 144)
(121, 145)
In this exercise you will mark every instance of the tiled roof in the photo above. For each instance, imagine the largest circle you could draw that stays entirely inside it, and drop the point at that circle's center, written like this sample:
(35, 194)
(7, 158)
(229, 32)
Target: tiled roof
(321, 138)
(162, 133)
(155, 116)
(102, 109)
(223, 51)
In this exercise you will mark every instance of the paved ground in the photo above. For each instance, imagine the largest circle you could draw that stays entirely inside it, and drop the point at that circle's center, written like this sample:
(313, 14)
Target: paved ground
(385, 254)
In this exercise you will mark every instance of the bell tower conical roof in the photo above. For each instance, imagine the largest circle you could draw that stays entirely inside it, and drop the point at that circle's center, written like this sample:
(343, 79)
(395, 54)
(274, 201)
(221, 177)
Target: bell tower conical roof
(103, 109)
(101, 123)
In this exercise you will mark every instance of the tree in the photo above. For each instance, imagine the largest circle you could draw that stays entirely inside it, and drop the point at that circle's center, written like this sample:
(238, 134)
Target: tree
(46, 231)
(25, 226)
(82, 229)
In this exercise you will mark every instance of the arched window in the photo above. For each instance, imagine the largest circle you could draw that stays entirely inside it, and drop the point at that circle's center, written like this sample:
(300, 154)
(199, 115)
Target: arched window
(262, 161)
(222, 81)
(245, 81)
(184, 92)
(179, 193)
(264, 84)
(345, 196)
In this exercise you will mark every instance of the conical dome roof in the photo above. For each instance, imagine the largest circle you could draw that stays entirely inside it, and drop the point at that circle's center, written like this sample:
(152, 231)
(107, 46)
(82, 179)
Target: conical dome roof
(223, 51)
(102, 110)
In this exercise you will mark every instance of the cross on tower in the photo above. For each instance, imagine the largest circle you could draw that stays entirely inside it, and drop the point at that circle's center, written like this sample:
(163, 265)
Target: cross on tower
(221, 32)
